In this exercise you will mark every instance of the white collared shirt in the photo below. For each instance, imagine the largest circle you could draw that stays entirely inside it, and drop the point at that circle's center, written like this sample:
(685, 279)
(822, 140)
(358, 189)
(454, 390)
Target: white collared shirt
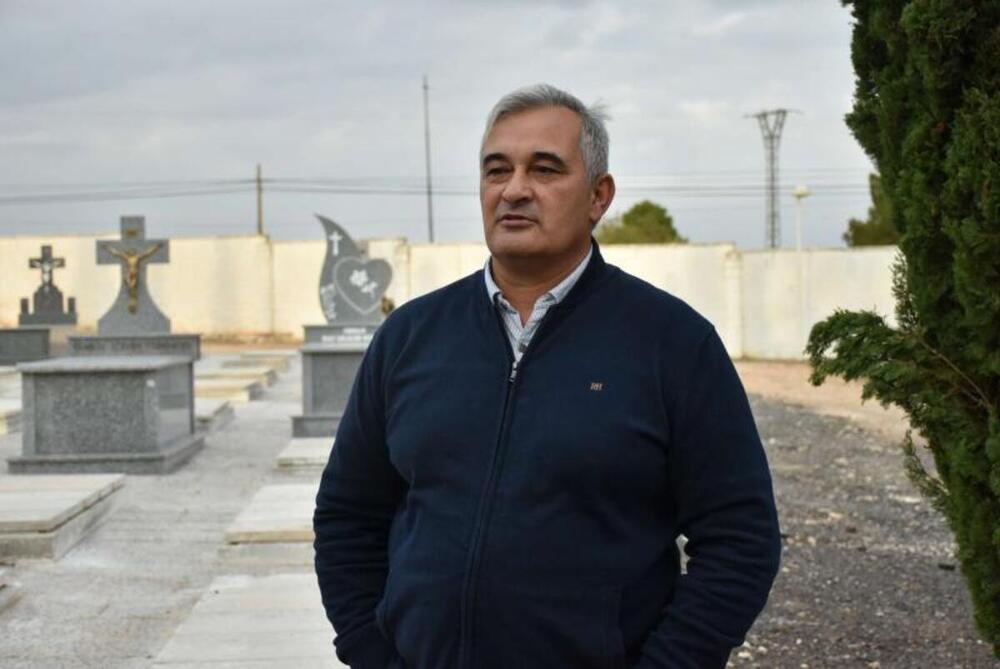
(520, 335)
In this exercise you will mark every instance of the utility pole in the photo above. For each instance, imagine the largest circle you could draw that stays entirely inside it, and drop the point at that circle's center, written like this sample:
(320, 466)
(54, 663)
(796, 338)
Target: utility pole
(260, 203)
(427, 163)
(771, 123)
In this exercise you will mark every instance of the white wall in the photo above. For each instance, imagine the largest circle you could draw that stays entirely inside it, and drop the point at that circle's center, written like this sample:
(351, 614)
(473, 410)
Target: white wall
(784, 294)
(763, 303)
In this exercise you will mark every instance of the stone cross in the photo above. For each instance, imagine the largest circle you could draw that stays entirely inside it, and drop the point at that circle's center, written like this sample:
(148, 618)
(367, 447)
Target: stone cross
(47, 302)
(134, 311)
(46, 263)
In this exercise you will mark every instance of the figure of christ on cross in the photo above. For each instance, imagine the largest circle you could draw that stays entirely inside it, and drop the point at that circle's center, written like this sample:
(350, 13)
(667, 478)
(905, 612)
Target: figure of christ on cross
(132, 260)
(46, 263)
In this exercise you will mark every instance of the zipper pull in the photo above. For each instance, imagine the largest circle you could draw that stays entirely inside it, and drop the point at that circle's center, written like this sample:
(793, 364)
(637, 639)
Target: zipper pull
(513, 371)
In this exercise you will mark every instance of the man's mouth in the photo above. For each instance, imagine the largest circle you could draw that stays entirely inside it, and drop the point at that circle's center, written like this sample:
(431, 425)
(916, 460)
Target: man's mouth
(515, 219)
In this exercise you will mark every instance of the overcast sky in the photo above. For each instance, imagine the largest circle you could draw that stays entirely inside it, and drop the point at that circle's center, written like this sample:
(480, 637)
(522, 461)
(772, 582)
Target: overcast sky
(101, 98)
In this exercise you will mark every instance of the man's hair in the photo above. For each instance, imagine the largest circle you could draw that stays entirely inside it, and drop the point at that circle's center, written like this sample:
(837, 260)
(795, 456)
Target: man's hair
(593, 134)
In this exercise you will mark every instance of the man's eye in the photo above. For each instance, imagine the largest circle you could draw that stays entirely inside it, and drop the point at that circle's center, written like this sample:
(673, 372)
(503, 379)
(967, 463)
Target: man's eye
(545, 169)
(495, 171)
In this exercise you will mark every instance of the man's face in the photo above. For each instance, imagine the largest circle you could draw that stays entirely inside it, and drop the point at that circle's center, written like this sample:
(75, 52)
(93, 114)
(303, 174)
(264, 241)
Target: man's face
(534, 192)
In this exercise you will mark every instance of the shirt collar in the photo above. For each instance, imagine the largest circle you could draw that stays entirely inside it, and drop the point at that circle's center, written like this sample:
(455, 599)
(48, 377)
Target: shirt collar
(556, 293)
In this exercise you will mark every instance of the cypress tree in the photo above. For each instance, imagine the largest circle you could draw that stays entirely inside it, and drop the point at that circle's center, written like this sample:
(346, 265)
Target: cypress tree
(927, 111)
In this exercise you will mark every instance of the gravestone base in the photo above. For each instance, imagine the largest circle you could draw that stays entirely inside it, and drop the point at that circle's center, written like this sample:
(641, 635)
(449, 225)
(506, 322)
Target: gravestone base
(165, 461)
(187, 345)
(24, 345)
(107, 414)
(331, 357)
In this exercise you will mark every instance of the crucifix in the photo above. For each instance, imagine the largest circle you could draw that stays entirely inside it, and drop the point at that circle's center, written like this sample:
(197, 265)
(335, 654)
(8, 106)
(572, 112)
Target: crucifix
(335, 239)
(46, 263)
(47, 302)
(134, 311)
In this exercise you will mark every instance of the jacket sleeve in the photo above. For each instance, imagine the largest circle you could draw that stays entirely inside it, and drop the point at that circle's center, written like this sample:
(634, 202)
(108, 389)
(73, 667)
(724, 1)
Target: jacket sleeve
(725, 504)
(357, 499)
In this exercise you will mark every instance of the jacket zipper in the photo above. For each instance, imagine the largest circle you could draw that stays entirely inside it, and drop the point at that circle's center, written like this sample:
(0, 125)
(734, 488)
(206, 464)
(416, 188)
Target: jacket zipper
(465, 654)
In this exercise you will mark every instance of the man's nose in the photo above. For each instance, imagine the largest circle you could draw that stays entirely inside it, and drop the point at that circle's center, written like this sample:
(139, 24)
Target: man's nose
(517, 188)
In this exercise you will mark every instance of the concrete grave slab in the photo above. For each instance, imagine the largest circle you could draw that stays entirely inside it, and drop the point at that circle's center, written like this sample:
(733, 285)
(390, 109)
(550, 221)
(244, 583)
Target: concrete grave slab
(213, 413)
(306, 453)
(277, 513)
(279, 364)
(274, 621)
(236, 391)
(44, 516)
(263, 375)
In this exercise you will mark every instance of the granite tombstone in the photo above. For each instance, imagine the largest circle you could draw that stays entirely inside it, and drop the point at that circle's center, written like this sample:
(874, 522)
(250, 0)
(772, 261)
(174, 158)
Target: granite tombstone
(134, 325)
(133, 311)
(351, 294)
(124, 399)
(47, 302)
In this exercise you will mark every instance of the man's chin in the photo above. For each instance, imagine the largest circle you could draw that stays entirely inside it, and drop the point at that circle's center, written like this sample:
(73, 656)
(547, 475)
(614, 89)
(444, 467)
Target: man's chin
(510, 246)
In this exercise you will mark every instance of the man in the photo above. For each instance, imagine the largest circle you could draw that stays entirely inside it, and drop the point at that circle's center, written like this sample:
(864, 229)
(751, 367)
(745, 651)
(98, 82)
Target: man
(522, 448)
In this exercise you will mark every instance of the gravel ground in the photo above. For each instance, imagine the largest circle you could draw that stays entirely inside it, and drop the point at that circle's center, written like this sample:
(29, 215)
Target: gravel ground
(868, 577)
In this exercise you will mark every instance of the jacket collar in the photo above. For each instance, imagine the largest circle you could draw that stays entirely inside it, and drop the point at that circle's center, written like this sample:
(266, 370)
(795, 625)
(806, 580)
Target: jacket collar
(592, 275)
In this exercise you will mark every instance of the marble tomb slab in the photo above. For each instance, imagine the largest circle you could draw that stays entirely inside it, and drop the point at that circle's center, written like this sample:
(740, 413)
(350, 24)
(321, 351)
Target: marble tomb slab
(277, 513)
(254, 622)
(263, 375)
(107, 414)
(276, 364)
(43, 516)
(237, 391)
(305, 453)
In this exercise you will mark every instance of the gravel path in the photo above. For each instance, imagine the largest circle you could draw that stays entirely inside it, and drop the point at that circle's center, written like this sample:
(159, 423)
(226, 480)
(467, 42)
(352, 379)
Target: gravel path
(868, 576)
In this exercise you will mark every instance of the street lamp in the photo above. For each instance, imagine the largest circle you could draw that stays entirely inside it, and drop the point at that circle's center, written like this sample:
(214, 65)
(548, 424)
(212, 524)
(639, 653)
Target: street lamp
(800, 193)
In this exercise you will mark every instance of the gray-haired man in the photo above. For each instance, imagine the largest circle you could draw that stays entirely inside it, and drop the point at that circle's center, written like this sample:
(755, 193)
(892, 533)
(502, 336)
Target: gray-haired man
(522, 448)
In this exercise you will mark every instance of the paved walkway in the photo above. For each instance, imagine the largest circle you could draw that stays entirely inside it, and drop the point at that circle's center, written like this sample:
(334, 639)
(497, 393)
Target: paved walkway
(120, 595)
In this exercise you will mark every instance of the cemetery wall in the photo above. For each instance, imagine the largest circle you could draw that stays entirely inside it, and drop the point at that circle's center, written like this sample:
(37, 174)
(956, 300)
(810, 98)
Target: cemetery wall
(777, 317)
(225, 286)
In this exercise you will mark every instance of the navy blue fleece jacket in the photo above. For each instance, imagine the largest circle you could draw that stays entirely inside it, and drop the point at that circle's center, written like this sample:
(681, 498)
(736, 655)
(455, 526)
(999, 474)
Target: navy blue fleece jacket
(473, 518)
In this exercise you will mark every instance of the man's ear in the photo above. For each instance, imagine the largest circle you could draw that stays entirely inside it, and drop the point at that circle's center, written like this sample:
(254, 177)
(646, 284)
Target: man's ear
(601, 195)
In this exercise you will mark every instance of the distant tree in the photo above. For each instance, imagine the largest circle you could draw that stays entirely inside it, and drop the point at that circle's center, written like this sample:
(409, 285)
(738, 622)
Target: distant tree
(879, 229)
(927, 111)
(644, 223)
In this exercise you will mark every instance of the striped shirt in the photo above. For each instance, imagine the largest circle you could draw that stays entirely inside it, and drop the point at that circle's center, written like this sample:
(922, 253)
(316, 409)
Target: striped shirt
(520, 335)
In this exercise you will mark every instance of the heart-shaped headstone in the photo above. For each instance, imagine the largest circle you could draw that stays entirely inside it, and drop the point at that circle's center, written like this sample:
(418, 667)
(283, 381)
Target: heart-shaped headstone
(361, 283)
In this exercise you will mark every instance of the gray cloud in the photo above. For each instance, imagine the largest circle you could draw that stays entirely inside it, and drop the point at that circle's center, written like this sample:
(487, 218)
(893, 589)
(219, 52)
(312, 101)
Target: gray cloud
(132, 91)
